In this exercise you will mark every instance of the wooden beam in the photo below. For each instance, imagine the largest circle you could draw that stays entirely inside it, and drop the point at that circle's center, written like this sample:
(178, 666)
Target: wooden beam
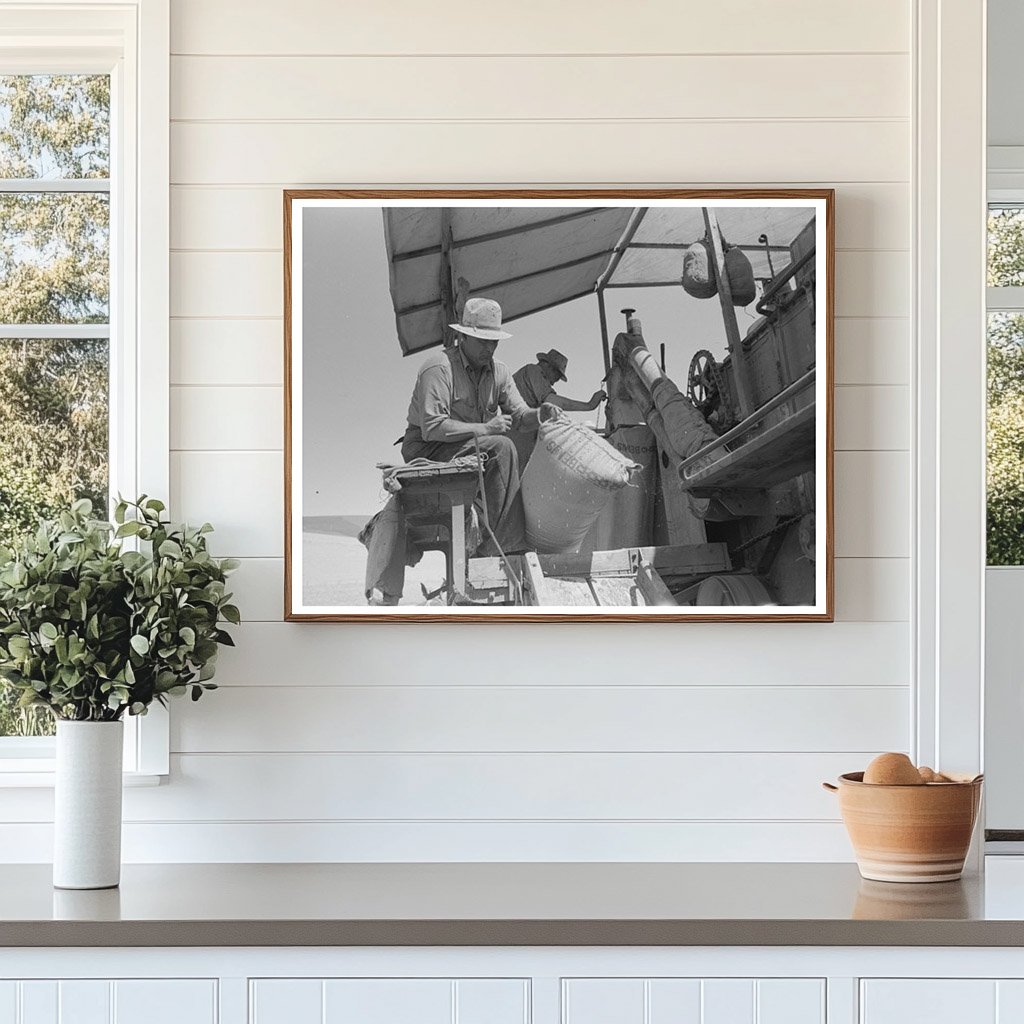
(534, 585)
(651, 585)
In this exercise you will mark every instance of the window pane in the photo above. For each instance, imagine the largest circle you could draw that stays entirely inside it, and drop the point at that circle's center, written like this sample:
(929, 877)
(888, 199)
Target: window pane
(1005, 439)
(53, 449)
(1005, 246)
(54, 126)
(54, 258)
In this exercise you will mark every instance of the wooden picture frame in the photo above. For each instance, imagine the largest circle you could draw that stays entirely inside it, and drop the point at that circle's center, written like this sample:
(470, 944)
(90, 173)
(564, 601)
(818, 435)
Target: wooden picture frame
(755, 478)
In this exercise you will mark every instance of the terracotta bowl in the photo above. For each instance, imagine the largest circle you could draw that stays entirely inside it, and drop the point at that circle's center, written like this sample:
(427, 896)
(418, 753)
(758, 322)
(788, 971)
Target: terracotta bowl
(909, 833)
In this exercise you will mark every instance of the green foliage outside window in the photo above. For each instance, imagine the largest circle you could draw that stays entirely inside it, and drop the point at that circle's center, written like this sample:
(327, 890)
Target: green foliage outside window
(54, 269)
(1005, 484)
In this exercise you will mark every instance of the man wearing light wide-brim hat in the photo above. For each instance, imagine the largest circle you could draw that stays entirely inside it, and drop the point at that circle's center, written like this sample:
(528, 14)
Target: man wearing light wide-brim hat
(463, 393)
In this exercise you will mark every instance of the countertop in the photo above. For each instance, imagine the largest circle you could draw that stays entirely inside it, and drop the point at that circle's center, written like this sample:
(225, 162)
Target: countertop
(563, 904)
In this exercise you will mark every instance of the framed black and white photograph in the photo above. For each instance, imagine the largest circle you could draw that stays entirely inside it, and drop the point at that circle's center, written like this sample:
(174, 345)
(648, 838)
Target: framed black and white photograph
(571, 405)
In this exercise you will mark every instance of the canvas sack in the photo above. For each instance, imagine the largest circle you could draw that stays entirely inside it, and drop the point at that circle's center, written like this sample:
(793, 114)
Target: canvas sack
(572, 475)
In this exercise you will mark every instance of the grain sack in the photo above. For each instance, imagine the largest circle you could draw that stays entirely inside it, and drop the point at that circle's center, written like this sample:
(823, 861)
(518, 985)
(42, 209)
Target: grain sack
(741, 277)
(699, 271)
(627, 521)
(572, 475)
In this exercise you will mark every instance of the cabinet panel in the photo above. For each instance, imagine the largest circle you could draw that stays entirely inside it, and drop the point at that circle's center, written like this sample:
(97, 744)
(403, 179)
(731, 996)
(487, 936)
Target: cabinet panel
(388, 1001)
(286, 1001)
(603, 1001)
(84, 1002)
(727, 1001)
(38, 1002)
(674, 1001)
(936, 1001)
(791, 1001)
(492, 1002)
(1010, 1002)
(165, 1002)
(8, 1002)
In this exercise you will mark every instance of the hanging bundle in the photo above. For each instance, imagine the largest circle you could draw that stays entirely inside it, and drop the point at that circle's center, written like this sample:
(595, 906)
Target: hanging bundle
(741, 276)
(699, 271)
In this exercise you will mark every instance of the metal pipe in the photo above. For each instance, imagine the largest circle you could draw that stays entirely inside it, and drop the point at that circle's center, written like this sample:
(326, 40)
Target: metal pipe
(791, 270)
(605, 350)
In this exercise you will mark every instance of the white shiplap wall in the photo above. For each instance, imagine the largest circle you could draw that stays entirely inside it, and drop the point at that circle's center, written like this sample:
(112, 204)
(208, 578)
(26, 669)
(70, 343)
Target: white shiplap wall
(653, 741)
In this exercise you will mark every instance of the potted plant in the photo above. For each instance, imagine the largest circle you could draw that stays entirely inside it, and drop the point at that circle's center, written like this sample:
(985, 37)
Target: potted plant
(92, 632)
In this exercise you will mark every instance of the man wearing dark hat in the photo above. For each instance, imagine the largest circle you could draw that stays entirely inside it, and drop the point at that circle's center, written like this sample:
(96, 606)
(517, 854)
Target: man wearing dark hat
(536, 383)
(463, 393)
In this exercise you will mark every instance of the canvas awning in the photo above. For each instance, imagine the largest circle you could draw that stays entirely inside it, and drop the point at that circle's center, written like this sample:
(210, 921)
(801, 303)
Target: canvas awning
(533, 258)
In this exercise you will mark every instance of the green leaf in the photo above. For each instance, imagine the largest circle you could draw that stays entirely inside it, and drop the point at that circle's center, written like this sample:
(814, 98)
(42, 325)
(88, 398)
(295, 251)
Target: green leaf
(155, 504)
(128, 529)
(170, 549)
(229, 564)
(231, 613)
(188, 634)
(140, 644)
(49, 631)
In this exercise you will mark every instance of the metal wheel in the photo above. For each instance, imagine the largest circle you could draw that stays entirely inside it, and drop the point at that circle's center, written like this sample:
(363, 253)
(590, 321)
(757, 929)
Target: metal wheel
(704, 382)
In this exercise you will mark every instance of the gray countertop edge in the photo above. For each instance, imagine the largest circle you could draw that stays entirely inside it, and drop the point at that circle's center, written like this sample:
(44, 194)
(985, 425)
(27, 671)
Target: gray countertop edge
(511, 933)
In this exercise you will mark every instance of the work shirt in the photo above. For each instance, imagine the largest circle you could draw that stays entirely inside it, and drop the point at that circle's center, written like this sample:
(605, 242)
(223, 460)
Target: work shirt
(449, 393)
(533, 385)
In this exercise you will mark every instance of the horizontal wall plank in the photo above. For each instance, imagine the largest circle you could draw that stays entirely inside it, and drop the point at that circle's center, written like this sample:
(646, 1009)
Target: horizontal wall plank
(233, 284)
(872, 283)
(538, 87)
(223, 352)
(708, 719)
(578, 26)
(872, 589)
(580, 654)
(872, 504)
(867, 589)
(376, 787)
(868, 216)
(242, 494)
(239, 492)
(872, 418)
(454, 842)
(730, 152)
(871, 350)
(239, 418)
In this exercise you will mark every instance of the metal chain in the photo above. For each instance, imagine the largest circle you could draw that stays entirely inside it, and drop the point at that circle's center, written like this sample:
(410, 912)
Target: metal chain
(782, 524)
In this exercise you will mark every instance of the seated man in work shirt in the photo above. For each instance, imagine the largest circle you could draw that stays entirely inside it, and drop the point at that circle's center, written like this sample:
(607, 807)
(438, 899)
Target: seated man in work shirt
(462, 393)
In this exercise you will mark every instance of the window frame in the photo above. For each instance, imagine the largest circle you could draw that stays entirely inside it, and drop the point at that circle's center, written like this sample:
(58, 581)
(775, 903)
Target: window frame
(130, 41)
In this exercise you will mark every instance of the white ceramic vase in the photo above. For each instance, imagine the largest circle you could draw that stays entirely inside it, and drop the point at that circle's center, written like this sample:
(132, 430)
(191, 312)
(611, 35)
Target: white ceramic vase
(87, 805)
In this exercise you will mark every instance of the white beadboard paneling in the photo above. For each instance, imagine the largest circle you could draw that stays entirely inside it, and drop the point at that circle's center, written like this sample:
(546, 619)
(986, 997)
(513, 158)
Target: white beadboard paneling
(871, 350)
(40, 1003)
(868, 216)
(603, 1001)
(867, 589)
(545, 718)
(551, 151)
(1010, 1001)
(727, 1001)
(237, 418)
(150, 1001)
(935, 1000)
(85, 1002)
(465, 787)
(674, 1001)
(580, 654)
(239, 492)
(387, 1001)
(205, 284)
(402, 27)
(872, 283)
(872, 418)
(236, 352)
(492, 1001)
(530, 87)
(872, 589)
(286, 1001)
(872, 504)
(790, 1001)
(156, 842)
(9, 1002)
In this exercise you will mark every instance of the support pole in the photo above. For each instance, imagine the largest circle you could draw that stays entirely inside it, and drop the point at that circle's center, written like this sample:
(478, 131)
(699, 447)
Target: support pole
(741, 371)
(604, 332)
(447, 287)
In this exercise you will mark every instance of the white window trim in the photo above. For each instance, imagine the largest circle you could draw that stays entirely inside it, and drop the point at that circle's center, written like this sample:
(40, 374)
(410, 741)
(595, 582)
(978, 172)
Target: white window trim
(949, 443)
(130, 40)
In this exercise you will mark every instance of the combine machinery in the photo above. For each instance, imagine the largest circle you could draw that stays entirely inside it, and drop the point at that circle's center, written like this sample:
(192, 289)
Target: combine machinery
(725, 511)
